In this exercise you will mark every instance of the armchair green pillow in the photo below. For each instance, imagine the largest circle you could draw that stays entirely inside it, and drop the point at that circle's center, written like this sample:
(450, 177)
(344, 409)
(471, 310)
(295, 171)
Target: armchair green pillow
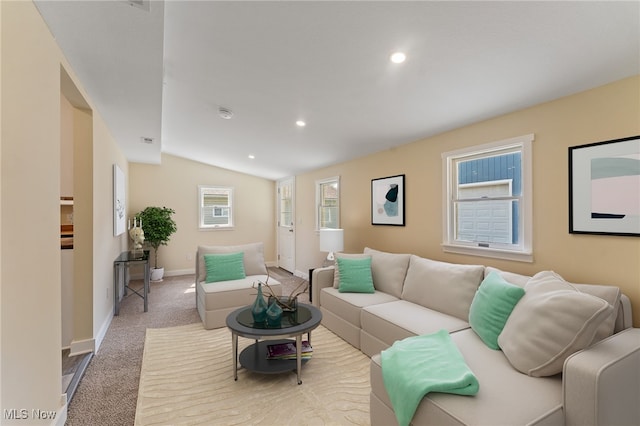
(224, 267)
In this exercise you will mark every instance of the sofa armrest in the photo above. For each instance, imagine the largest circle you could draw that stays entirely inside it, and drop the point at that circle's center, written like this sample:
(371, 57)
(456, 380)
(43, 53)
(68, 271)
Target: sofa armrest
(624, 318)
(322, 278)
(601, 384)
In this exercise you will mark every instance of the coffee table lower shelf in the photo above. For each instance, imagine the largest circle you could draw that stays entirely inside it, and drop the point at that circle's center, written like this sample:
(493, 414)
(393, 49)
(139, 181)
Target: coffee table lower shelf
(254, 358)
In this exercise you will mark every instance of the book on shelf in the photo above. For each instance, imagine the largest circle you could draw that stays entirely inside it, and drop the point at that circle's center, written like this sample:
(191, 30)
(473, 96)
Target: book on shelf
(288, 350)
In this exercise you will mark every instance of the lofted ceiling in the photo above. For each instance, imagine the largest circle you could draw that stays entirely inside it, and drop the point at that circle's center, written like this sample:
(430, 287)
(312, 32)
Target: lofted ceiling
(163, 70)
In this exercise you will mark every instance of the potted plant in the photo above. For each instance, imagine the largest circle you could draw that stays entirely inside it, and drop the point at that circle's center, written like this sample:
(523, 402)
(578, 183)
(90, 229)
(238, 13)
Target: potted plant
(158, 225)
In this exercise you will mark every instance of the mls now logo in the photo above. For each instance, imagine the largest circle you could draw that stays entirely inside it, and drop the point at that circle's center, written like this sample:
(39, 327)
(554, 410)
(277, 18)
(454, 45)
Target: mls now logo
(24, 414)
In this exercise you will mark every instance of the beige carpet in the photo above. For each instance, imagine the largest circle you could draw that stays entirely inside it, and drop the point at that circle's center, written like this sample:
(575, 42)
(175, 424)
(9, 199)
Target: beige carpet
(187, 379)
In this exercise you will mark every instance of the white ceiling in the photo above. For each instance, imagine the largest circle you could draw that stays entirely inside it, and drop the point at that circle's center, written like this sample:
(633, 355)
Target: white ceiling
(163, 70)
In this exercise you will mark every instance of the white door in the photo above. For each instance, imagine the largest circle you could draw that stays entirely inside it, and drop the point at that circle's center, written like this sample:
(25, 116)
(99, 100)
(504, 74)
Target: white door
(286, 221)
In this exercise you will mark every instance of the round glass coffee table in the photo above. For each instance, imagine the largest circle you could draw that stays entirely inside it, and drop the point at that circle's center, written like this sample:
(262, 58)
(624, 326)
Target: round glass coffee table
(254, 357)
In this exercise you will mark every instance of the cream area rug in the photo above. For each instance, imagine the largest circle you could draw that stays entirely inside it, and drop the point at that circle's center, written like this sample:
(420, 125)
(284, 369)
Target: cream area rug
(187, 379)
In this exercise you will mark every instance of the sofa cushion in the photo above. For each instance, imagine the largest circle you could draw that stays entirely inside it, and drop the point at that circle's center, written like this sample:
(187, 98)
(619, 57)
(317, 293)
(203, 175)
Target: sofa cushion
(223, 267)
(253, 258)
(348, 305)
(233, 293)
(491, 307)
(552, 321)
(506, 397)
(389, 270)
(355, 275)
(510, 277)
(393, 321)
(444, 287)
(612, 295)
(336, 272)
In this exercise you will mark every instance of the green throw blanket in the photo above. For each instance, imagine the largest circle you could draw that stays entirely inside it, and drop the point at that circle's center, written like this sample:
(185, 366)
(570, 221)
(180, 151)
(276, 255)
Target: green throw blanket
(415, 366)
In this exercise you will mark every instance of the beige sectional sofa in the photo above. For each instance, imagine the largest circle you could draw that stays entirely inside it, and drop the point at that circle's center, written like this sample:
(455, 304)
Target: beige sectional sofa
(598, 379)
(215, 300)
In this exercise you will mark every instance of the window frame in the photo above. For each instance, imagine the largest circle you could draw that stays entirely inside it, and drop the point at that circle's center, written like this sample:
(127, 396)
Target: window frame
(523, 251)
(215, 227)
(319, 183)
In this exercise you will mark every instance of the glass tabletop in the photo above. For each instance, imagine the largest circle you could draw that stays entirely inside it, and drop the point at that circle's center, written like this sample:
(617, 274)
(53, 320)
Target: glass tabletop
(289, 319)
(132, 256)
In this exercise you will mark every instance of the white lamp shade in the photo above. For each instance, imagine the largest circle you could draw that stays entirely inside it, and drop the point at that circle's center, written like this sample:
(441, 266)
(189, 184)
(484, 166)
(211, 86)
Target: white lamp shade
(331, 240)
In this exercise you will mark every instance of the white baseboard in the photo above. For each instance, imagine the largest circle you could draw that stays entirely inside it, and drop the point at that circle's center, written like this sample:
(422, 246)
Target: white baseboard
(79, 347)
(103, 331)
(177, 272)
(300, 274)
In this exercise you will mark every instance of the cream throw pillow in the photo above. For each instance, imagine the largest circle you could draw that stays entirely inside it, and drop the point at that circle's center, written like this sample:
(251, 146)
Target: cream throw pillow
(552, 321)
(444, 287)
(510, 277)
(612, 295)
(389, 270)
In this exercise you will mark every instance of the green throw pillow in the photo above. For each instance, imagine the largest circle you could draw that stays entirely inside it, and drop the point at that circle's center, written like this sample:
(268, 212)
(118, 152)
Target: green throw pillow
(224, 267)
(491, 306)
(355, 275)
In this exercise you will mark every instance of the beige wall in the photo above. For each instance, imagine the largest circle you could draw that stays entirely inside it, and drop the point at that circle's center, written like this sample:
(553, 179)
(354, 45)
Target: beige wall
(30, 237)
(174, 184)
(30, 284)
(106, 247)
(605, 113)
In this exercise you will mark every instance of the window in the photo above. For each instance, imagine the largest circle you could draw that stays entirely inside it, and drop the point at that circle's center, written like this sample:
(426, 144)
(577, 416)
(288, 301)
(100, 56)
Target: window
(285, 192)
(328, 203)
(488, 200)
(216, 207)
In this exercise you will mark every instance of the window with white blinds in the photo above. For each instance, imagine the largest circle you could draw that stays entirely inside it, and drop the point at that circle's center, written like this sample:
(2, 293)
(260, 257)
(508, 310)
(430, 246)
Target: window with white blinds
(216, 207)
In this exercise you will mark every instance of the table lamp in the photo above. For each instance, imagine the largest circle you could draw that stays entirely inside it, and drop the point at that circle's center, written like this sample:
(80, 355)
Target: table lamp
(331, 241)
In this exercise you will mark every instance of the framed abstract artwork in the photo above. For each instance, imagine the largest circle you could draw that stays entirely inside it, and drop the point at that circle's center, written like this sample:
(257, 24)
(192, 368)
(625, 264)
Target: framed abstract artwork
(604, 188)
(387, 201)
(119, 199)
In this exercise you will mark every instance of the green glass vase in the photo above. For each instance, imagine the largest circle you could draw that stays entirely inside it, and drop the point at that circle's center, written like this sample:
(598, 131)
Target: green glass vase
(259, 307)
(274, 314)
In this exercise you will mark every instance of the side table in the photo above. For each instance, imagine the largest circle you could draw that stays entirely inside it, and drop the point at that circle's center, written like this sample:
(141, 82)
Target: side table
(254, 357)
(121, 268)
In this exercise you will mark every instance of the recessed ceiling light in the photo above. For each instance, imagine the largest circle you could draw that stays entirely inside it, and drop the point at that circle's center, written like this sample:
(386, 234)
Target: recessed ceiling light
(251, 156)
(398, 58)
(300, 123)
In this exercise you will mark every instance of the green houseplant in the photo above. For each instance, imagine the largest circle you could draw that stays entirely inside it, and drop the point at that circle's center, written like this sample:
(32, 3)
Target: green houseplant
(158, 226)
